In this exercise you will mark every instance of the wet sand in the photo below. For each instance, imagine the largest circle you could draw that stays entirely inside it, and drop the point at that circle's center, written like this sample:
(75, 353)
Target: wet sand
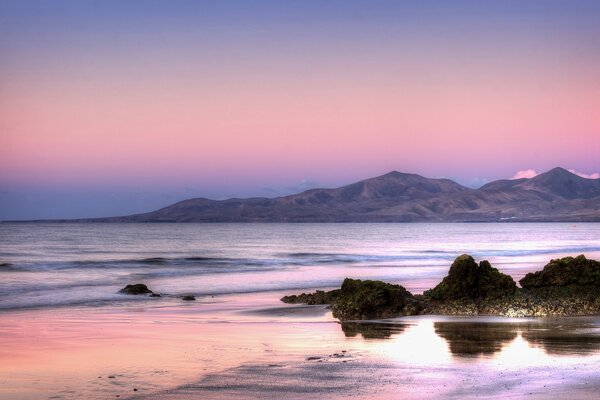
(364, 379)
(253, 346)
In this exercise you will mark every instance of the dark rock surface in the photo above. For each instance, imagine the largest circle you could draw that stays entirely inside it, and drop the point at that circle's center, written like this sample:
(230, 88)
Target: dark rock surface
(565, 272)
(569, 286)
(373, 299)
(319, 297)
(188, 298)
(138, 288)
(468, 280)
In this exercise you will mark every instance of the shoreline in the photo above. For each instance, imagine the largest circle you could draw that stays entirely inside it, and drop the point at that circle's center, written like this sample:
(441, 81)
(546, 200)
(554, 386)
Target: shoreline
(278, 351)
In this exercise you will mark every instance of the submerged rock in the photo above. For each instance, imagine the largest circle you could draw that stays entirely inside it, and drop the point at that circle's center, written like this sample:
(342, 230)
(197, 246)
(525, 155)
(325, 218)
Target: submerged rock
(188, 298)
(317, 298)
(467, 280)
(373, 299)
(563, 272)
(138, 288)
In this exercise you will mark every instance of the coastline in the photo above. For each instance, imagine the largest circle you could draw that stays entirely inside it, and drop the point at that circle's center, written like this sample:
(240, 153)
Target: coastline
(228, 349)
(68, 334)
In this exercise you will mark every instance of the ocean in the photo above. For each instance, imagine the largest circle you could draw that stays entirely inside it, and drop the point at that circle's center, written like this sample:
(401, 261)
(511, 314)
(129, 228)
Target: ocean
(58, 265)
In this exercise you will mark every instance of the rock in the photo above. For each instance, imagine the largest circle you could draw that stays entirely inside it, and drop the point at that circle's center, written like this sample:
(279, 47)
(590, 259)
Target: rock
(568, 286)
(373, 299)
(138, 288)
(188, 298)
(468, 280)
(319, 297)
(155, 295)
(563, 272)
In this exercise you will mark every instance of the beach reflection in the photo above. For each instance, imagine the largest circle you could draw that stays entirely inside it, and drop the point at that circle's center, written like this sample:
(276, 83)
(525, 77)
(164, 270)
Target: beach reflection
(577, 337)
(475, 338)
(371, 330)
(487, 337)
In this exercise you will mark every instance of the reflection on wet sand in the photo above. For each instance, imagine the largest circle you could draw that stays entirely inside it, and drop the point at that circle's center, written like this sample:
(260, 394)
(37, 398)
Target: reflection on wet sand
(486, 337)
(475, 338)
(372, 330)
(574, 337)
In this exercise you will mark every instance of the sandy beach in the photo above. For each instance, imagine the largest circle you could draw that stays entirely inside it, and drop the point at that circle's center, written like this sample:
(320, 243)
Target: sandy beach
(254, 347)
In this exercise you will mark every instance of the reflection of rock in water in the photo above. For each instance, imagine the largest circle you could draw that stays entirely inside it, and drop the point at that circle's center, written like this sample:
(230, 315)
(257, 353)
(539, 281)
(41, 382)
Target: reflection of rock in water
(475, 338)
(563, 338)
(371, 330)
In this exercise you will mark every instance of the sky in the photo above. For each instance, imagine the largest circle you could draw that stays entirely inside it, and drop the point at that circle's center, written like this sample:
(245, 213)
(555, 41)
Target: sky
(112, 107)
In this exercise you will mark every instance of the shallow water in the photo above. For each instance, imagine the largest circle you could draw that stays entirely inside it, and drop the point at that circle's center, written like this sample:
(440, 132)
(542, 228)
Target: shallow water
(64, 329)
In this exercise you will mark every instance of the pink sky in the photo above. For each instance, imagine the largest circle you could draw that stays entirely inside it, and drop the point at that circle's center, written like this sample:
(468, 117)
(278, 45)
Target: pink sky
(275, 96)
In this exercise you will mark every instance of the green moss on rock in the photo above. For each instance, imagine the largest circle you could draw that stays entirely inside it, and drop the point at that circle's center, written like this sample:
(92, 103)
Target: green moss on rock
(373, 299)
(563, 272)
(468, 280)
(316, 298)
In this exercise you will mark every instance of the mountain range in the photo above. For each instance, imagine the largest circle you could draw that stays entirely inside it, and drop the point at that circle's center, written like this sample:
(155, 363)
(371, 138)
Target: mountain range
(553, 196)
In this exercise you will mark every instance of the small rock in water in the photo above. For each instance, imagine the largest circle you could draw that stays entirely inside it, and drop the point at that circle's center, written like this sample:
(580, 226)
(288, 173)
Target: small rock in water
(155, 295)
(138, 288)
(188, 298)
(111, 377)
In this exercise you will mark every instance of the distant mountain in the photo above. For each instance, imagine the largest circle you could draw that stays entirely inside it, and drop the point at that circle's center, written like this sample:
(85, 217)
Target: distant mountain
(556, 195)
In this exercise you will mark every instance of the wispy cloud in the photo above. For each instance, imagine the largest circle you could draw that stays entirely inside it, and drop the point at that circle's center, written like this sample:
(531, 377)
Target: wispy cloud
(526, 173)
(530, 173)
(594, 175)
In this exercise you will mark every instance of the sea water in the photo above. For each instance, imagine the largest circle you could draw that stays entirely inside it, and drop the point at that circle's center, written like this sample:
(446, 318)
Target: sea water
(59, 265)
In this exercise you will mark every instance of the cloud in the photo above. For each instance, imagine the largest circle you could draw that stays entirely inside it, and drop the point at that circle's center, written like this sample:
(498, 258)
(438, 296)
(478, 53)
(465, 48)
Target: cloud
(595, 175)
(304, 184)
(526, 173)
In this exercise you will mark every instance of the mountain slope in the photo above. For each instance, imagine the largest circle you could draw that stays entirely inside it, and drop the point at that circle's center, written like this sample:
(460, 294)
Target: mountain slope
(557, 195)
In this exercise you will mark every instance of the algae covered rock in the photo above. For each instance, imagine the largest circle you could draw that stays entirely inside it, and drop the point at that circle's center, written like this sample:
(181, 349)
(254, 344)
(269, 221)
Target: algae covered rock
(468, 280)
(138, 288)
(567, 271)
(373, 299)
(317, 298)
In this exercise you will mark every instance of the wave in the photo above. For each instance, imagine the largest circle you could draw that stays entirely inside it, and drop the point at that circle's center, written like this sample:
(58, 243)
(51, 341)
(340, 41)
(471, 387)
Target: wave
(573, 250)
(208, 264)
(50, 298)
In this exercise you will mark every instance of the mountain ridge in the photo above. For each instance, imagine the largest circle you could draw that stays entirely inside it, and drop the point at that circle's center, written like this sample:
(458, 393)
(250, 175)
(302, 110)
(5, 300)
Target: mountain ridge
(553, 196)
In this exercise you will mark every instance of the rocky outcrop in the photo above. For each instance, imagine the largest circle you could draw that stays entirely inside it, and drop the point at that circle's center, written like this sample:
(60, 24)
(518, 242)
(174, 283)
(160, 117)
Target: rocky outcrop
(138, 288)
(568, 286)
(373, 299)
(317, 298)
(565, 272)
(467, 280)
(362, 300)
